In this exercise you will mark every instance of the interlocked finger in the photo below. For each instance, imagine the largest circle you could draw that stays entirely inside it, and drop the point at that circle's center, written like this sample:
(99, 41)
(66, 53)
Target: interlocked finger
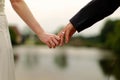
(52, 43)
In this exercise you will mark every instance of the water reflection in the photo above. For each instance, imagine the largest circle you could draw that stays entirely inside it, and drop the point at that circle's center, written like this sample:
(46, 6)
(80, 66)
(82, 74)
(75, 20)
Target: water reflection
(41, 63)
(61, 59)
(111, 67)
(31, 59)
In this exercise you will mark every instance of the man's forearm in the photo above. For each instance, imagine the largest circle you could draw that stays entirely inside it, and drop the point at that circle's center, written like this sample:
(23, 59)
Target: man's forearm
(93, 12)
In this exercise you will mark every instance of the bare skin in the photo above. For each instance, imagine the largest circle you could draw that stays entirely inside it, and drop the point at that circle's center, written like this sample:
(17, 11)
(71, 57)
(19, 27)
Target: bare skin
(24, 12)
(66, 33)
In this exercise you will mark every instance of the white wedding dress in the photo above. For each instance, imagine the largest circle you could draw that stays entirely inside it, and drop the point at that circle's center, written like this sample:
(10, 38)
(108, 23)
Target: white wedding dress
(6, 54)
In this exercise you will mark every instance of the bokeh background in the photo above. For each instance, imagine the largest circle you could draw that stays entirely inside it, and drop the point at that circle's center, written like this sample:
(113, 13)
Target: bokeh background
(92, 54)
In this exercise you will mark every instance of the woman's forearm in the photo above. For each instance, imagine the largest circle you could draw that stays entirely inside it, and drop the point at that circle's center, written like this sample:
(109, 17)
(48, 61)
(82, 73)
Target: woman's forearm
(23, 11)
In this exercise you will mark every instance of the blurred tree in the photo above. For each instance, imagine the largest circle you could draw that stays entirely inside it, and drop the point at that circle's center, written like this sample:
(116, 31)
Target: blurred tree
(115, 44)
(107, 29)
(110, 35)
(13, 36)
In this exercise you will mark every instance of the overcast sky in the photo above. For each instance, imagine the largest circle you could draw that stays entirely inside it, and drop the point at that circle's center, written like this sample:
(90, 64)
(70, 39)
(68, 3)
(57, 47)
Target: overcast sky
(51, 14)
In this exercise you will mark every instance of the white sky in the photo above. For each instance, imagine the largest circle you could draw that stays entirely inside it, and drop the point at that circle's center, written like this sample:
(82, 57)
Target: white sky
(52, 14)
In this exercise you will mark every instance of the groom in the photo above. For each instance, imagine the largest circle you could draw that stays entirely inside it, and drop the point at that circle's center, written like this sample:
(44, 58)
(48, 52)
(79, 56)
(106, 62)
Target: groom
(94, 11)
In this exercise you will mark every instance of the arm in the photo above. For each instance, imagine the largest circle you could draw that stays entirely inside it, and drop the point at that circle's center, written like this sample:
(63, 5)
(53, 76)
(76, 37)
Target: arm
(93, 12)
(87, 16)
(23, 11)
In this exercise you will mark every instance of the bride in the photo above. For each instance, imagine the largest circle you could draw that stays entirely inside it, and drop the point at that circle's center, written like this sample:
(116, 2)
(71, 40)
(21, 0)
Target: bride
(6, 53)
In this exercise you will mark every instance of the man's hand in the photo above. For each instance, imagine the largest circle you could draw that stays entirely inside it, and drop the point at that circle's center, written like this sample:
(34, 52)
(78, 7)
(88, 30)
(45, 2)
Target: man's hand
(66, 33)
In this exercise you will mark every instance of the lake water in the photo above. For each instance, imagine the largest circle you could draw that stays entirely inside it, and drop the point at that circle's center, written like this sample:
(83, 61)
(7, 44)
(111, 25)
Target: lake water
(62, 63)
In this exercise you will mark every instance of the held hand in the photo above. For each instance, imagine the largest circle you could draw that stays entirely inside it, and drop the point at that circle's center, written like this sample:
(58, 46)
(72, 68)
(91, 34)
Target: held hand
(50, 40)
(66, 33)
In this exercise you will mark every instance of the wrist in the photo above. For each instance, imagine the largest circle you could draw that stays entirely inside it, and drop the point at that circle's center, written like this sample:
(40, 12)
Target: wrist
(72, 27)
(40, 33)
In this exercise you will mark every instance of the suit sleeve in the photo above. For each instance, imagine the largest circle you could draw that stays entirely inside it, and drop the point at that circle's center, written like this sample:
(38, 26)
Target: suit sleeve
(93, 12)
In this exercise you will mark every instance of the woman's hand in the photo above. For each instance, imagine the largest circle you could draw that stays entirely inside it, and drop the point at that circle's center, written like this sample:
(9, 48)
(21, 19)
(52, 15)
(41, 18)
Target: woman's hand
(50, 40)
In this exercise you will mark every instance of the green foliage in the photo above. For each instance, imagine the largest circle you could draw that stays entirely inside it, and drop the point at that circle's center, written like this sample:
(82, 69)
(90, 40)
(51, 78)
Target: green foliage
(116, 37)
(107, 29)
(13, 36)
(110, 35)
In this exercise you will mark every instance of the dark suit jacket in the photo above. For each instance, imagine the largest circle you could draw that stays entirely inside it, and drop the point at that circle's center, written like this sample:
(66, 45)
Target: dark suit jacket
(93, 12)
